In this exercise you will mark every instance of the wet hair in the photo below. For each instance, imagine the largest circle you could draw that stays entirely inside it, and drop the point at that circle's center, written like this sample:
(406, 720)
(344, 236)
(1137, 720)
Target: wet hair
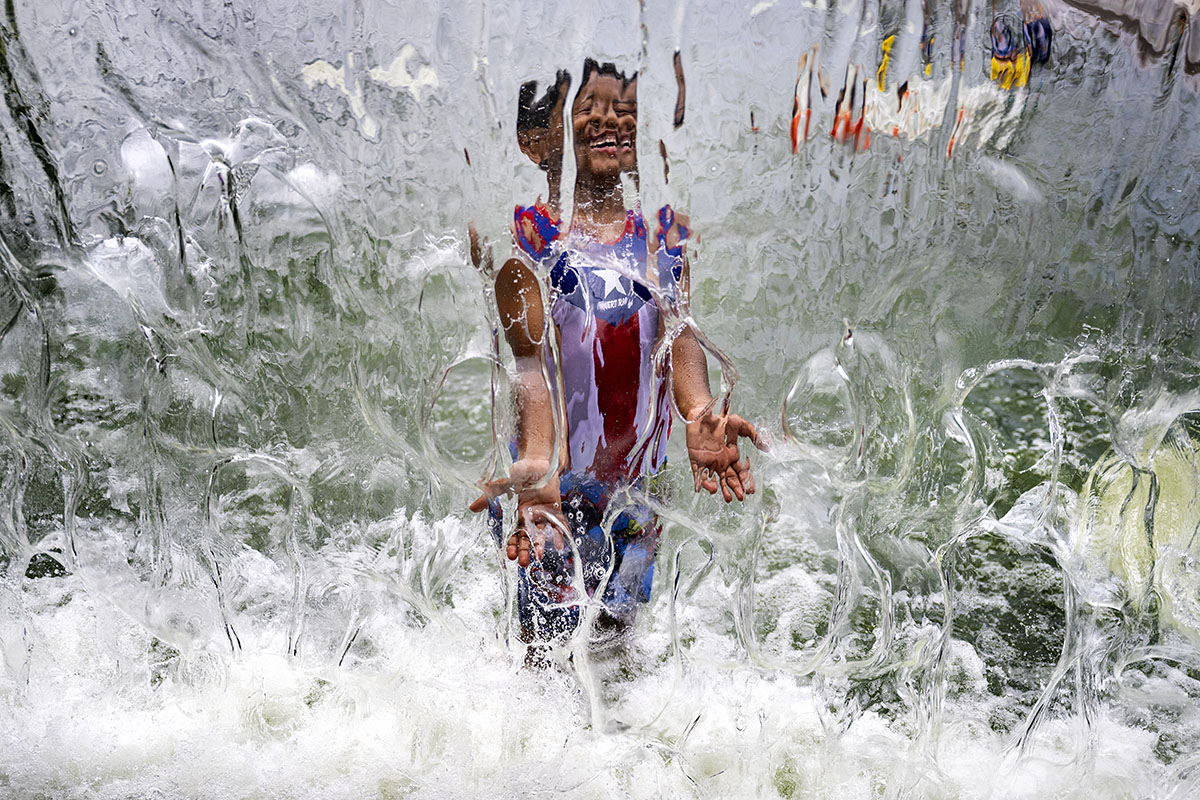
(590, 66)
(534, 111)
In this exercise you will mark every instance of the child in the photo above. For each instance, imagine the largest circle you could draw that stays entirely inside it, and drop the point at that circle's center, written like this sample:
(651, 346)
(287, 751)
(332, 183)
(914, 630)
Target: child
(593, 411)
(540, 131)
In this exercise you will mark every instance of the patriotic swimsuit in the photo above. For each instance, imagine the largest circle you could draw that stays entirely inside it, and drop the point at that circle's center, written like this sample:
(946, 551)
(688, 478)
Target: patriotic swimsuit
(605, 306)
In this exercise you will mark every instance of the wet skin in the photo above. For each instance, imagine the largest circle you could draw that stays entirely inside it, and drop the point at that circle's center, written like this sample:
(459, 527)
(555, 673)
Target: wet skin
(603, 119)
(604, 124)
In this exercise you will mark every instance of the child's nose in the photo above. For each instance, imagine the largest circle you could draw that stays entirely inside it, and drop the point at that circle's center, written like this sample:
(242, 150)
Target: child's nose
(608, 116)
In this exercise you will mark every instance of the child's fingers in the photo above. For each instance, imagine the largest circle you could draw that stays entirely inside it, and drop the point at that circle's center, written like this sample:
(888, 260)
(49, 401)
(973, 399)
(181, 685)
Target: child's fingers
(707, 478)
(538, 542)
(543, 519)
(728, 492)
(734, 481)
(518, 547)
(743, 428)
(557, 528)
(746, 476)
(491, 489)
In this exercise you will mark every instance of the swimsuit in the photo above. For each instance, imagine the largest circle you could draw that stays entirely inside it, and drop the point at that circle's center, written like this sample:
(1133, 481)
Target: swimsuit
(617, 409)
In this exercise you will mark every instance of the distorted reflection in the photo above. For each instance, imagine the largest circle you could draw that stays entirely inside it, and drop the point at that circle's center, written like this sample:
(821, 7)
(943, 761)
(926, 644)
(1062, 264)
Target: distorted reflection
(910, 104)
(1018, 44)
(593, 403)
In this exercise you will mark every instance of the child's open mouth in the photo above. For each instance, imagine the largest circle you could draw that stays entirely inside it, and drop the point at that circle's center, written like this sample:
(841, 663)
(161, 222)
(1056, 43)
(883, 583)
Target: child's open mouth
(605, 143)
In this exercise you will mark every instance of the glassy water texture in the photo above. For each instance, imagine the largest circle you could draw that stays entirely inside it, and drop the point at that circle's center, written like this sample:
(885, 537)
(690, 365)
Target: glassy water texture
(246, 370)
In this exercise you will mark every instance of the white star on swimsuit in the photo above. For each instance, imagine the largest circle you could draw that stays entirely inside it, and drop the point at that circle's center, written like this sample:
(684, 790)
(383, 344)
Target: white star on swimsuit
(612, 281)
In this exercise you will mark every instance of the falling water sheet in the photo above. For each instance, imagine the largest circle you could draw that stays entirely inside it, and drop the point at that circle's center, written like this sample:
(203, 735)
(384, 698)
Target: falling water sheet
(247, 370)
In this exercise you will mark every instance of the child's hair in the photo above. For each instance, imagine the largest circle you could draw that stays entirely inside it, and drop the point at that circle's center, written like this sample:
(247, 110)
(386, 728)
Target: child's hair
(590, 65)
(534, 112)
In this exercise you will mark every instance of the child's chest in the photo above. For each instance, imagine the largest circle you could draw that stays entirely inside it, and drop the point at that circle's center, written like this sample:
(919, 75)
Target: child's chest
(607, 285)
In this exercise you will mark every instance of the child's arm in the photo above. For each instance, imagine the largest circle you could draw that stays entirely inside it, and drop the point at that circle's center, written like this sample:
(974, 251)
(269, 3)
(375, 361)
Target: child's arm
(712, 435)
(519, 300)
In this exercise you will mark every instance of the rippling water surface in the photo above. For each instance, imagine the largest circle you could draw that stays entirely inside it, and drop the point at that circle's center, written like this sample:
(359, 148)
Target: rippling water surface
(246, 380)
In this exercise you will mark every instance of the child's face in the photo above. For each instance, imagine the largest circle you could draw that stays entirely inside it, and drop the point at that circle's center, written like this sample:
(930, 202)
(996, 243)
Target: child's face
(544, 146)
(604, 119)
(627, 128)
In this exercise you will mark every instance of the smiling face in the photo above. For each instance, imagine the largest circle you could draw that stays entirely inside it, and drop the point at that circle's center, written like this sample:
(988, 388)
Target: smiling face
(627, 127)
(604, 121)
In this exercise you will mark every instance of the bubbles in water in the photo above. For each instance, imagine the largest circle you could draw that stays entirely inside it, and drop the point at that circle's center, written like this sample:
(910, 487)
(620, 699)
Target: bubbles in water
(250, 376)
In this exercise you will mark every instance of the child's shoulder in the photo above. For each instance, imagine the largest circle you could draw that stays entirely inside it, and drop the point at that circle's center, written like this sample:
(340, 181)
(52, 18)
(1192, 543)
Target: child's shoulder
(535, 229)
(674, 229)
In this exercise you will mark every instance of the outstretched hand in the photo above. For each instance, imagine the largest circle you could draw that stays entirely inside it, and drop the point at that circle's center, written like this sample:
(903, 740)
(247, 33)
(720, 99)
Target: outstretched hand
(712, 445)
(539, 508)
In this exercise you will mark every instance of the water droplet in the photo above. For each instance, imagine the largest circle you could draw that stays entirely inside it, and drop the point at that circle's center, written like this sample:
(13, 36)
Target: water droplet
(72, 31)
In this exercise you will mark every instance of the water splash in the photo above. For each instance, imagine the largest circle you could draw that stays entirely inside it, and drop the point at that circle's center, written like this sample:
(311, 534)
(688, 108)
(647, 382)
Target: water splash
(248, 376)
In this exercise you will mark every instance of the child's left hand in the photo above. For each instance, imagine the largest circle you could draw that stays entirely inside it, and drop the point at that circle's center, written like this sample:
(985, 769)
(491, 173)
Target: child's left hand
(539, 508)
(713, 452)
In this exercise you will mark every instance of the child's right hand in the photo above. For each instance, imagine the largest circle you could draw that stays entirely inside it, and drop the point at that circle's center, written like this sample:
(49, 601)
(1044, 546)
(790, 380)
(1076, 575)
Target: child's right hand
(539, 508)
